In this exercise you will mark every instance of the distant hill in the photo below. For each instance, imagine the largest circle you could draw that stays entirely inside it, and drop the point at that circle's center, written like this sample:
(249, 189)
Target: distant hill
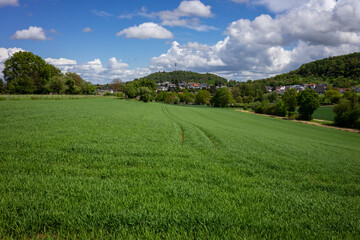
(186, 76)
(341, 71)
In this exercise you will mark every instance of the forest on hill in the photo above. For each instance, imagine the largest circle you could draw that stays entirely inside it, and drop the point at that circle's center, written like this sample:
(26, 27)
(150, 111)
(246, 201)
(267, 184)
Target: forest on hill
(187, 76)
(341, 71)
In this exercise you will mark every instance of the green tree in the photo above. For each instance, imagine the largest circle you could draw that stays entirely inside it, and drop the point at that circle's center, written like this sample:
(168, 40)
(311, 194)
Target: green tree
(2, 86)
(332, 96)
(145, 94)
(129, 91)
(347, 111)
(222, 98)
(280, 108)
(308, 101)
(57, 84)
(290, 99)
(25, 73)
(235, 92)
(202, 97)
(87, 88)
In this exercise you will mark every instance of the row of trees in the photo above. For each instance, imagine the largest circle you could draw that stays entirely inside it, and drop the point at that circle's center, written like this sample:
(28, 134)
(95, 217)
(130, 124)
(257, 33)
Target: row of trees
(307, 101)
(26, 73)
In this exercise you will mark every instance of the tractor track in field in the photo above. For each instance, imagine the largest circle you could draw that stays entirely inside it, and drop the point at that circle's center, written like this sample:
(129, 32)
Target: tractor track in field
(167, 115)
(171, 118)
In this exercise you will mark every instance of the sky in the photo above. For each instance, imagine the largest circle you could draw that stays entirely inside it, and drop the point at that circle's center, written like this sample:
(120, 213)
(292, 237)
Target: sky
(236, 39)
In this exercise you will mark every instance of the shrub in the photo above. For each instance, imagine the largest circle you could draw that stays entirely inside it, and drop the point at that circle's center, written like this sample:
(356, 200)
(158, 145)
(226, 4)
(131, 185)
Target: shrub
(308, 101)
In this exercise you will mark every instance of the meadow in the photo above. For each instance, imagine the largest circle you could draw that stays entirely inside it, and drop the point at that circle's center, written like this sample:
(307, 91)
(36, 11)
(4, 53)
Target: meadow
(324, 113)
(107, 168)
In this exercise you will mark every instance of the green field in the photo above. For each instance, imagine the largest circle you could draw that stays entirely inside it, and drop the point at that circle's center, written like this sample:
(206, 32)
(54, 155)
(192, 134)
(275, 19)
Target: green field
(324, 113)
(107, 168)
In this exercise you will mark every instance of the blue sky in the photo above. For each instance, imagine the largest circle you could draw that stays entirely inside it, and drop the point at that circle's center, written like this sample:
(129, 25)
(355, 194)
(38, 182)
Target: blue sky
(237, 39)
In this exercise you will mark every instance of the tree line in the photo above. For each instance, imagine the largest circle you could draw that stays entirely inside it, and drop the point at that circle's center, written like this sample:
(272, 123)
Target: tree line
(26, 73)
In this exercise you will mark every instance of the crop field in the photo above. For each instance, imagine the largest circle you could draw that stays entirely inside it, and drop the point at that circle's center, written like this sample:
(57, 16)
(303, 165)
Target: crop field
(324, 113)
(106, 168)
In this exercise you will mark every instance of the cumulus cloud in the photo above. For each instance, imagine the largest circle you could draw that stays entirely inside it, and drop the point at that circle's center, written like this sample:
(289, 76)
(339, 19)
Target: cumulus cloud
(271, 45)
(87, 29)
(62, 63)
(146, 31)
(97, 72)
(4, 3)
(187, 14)
(33, 33)
(6, 53)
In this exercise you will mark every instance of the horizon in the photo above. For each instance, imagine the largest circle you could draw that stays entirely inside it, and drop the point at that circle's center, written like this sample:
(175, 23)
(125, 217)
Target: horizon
(235, 39)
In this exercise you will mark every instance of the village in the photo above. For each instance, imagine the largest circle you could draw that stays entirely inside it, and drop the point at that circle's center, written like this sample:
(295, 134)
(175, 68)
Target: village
(318, 88)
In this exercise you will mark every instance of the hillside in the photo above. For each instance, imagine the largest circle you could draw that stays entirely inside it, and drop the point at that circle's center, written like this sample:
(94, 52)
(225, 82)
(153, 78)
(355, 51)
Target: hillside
(186, 76)
(341, 71)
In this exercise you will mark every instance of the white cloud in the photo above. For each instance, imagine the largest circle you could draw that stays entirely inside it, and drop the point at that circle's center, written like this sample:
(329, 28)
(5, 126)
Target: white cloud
(146, 31)
(6, 53)
(102, 13)
(193, 9)
(87, 29)
(33, 33)
(4, 3)
(271, 45)
(62, 63)
(187, 15)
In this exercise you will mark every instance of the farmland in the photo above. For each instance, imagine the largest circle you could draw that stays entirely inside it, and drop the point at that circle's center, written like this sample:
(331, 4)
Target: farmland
(108, 168)
(324, 113)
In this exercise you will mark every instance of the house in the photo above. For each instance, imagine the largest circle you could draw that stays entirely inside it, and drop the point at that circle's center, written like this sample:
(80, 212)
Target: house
(268, 89)
(356, 89)
(161, 88)
(321, 88)
(182, 85)
(298, 88)
(203, 86)
(312, 85)
(343, 90)
(172, 86)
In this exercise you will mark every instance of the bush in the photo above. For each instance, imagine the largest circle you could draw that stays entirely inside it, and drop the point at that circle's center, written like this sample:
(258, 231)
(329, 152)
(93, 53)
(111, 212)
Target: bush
(280, 109)
(222, 98)
(176, 100)
(347, 112)
(308, 101)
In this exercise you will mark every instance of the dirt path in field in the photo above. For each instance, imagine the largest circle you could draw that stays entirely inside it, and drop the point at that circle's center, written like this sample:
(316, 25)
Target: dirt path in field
(306, 122)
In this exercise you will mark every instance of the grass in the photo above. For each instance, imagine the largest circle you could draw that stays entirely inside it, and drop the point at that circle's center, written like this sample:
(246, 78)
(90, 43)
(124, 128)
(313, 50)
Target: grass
(106, 168)
(324, 113)
(44, 97)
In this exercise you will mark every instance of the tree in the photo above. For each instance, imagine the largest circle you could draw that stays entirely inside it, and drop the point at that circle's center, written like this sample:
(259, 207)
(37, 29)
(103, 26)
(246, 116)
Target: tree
(145, 94)
(235, 92)
(116, 84)
(2, 86)
(347, 111)
(308, 101)
(25, 73)
(332, 96)
(129, 90)
(222, 98)
(57, 84)
(202, 97)
(87, 88)
(290, 99)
